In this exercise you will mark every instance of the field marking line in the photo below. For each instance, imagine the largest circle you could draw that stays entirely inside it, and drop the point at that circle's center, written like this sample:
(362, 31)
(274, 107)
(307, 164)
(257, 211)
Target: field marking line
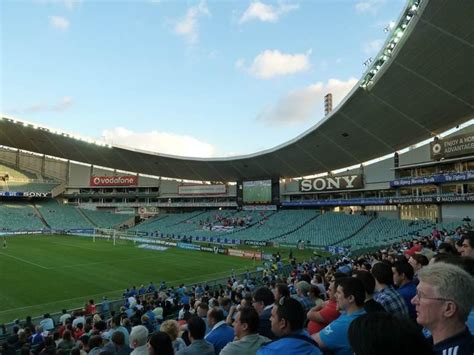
(25, 261)
(99, 294)
(104, 262)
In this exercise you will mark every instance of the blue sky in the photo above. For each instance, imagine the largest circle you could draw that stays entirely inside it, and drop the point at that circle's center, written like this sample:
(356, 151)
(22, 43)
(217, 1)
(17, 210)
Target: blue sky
(193, 78)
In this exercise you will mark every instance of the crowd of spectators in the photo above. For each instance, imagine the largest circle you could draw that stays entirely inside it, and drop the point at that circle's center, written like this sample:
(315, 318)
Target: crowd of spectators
(415, 297)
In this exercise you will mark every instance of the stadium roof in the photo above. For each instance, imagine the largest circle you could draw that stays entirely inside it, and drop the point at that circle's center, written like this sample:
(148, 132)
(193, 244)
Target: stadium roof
(419, 85)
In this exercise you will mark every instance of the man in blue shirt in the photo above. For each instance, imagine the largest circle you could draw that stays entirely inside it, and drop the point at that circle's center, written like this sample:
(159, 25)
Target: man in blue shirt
(287, 321)
(386, 294)
(403, 278)
(221, 333)
(350, 297)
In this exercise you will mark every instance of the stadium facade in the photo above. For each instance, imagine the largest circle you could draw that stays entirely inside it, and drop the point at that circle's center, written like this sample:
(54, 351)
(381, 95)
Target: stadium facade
(434, 181)
(417, 87)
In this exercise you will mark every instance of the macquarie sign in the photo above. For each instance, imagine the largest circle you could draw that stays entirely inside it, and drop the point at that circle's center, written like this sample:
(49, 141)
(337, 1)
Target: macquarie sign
(124, 180)
(462, 144)
(329, 183)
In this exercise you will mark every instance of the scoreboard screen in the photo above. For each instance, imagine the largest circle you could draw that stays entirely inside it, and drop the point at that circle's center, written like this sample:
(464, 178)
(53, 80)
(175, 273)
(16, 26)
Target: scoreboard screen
(257, 192)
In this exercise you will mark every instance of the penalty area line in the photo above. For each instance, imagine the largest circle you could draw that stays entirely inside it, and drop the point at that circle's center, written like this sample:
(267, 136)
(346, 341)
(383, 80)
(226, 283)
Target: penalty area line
(25, 261)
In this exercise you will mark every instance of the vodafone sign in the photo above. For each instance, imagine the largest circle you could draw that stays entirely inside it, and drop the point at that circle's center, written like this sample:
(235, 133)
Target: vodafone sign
(124, 180)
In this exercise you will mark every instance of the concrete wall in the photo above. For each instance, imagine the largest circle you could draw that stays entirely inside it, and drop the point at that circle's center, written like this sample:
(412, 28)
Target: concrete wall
(79, 175)
(457, 212)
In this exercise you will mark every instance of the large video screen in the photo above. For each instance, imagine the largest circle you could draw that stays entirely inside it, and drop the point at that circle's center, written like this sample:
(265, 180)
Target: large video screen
(257, 192)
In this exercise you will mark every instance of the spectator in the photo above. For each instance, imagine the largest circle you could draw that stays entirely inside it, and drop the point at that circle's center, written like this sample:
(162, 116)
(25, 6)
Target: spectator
(65, 315)
(117, 345)
(320, 316)
(263, 300)
(138, 339)
(221, 333)
(302, 290)
(467, 246)
(95, 345)
(160, 344)
(196, 331)
(417, 261)
(248, 341)
(403, 278)
(47, 322)
(370, 305)
(287, 322)
(375, 333)
(202, 310)
(281, 290)
(171, 328)
(116, 326)
(386, 294)
(67, 342)
(444, 298)
(350, 296)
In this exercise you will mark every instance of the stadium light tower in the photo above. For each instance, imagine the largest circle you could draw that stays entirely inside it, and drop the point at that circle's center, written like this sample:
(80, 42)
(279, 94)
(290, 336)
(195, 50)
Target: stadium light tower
(327, 104)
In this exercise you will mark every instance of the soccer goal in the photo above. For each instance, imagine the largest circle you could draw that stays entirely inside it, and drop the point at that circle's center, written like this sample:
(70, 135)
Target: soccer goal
(114, 236)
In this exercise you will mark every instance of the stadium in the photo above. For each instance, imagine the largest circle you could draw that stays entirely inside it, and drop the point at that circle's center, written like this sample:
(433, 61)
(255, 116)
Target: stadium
(385, 175)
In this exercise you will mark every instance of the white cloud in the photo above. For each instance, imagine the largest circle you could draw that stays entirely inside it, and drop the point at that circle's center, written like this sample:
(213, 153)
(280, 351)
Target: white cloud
(371, 48)
(188, 25)
(240, 63)
(162, 142)
(59, 22)
(266, 13)
(64, 104)
(71, 4)
(371, 6)
(302, 105)
(272, 63)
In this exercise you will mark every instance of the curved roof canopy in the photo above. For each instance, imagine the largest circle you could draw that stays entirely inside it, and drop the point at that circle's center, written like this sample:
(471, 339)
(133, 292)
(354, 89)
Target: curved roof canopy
(420, 84)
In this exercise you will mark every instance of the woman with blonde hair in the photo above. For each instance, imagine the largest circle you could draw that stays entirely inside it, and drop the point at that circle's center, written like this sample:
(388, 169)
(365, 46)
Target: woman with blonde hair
(171, 328)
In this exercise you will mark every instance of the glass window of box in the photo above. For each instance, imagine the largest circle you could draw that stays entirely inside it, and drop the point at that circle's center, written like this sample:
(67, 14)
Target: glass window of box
(447, 168)
(426, 170)
(387, 193)
(369, 194)
(469, 188)
(427, 190)
(407, 192)
(469, 165)
(405, 173)
(451, 189)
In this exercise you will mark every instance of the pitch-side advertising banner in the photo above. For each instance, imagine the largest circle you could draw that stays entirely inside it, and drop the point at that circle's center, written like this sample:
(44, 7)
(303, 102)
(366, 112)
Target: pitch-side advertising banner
(124, 180)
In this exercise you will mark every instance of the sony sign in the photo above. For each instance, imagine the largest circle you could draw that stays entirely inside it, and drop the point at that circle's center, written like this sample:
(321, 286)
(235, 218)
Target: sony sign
(36, 194)
(328, 183)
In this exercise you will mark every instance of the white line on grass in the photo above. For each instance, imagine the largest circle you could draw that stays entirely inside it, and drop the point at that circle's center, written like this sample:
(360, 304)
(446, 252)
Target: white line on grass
(99, 294)
(25, 261)
(106, 262)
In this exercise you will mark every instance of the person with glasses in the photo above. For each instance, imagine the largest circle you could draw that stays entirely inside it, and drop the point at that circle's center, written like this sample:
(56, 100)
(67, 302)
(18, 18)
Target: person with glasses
(444, 298)
(287, 321)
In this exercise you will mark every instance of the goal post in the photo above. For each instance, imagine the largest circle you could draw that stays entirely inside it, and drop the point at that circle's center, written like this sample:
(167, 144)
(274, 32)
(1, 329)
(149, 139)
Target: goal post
(114, 235)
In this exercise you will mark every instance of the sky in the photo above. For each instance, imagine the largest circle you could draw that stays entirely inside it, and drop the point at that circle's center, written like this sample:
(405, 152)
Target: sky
(190, 78)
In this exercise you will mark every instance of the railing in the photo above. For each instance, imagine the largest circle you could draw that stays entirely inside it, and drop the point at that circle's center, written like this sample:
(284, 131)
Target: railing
(114, 305)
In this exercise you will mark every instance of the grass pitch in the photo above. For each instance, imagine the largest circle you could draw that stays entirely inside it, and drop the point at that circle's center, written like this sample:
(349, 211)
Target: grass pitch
(42, 273)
